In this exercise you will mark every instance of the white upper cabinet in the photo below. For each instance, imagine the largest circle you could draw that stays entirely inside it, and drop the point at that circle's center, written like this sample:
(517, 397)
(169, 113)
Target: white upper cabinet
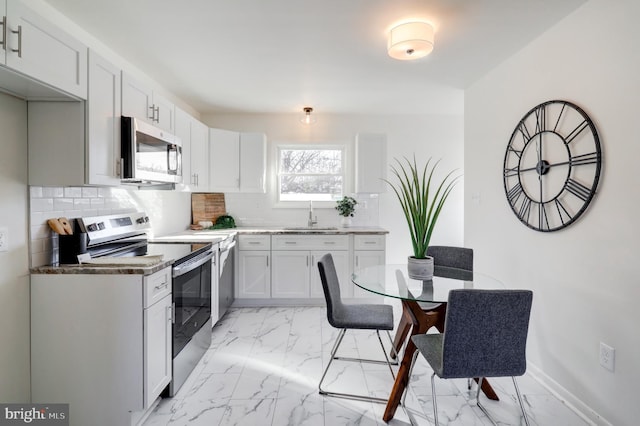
(237, 161)
(136, 99)
(253, 162)
(103, 122)
(371, 162)
(194, 136)
(224, 160)
(40, 50)
(140, 101)
(165, 112)
(199, 156)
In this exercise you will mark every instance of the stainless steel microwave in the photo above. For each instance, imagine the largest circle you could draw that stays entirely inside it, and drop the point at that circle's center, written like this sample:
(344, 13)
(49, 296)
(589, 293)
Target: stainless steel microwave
(149, 155)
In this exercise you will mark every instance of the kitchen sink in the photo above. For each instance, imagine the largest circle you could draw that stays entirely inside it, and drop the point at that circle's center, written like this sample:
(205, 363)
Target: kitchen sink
(311, 228)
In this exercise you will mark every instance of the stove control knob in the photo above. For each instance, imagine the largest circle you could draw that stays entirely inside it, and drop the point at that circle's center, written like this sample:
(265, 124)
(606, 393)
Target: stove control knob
(101, 225)
(92, 227)
(146, 219)
(140, 220)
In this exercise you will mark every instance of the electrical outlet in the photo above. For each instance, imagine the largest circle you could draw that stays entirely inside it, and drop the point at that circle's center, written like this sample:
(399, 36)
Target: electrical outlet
(607, 356)
(4, 239)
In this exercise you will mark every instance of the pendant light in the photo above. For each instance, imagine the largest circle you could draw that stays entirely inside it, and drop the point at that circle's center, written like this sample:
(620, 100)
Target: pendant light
(307, 118)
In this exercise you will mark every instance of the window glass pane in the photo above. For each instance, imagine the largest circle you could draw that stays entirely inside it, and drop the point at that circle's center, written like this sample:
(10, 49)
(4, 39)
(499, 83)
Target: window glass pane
(322, 187)
(310, 173)
(311, 161)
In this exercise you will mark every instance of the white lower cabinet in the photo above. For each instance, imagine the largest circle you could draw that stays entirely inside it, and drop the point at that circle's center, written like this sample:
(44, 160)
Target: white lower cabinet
(283, 268)
(369, 250)
(254, 267)
(295, 271)
(254, 280)
(157, 339)
(291, 273)
(121, 363)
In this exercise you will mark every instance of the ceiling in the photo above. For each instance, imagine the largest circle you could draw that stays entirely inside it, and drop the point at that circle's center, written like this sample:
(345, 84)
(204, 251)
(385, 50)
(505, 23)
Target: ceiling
(274, 56)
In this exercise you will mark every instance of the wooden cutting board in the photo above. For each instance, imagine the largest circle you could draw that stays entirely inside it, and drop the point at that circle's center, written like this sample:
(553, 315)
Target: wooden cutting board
(207, 207)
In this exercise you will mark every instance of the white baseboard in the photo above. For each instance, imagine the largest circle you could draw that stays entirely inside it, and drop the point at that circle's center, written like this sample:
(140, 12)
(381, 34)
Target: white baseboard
(573, 402)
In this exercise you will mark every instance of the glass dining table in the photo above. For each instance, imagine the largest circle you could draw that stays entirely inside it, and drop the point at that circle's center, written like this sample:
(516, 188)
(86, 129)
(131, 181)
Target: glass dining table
(393, 281)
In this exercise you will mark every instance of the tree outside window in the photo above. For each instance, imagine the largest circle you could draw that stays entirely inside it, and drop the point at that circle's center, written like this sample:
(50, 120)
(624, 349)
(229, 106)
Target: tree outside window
(310, 173)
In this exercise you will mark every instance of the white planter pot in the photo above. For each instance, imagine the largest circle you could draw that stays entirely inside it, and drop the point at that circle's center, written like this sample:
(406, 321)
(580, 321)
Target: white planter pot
(346, 221)
(420, 269)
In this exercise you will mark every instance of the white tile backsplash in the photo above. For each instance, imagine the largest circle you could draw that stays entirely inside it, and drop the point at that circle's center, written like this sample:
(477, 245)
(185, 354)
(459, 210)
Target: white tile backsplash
(69, 202)
(170, 211)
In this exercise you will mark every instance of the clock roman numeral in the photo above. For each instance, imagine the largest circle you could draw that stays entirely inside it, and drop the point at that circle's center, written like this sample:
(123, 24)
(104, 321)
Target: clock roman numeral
(525, 209)
(511, 172)
(575, 132)
(541, 118)
(578, 189)
(515, 151)
(562, 212)
(514, 193)
(581, 160)
(543, 220)
(522, 128)
(559, 117)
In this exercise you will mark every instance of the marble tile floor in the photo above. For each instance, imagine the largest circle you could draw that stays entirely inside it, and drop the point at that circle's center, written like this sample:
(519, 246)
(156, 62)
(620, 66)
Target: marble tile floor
(264, 365)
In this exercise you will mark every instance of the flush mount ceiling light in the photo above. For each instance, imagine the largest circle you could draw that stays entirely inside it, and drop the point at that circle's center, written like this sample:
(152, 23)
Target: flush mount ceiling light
(411, 40)
(306, 117)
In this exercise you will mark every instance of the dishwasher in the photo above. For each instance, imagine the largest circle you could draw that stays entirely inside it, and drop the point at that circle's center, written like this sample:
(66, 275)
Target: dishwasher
(226, 273)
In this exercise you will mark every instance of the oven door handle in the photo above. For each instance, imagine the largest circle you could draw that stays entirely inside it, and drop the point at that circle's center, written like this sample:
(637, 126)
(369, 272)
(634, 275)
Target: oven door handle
(192, 264)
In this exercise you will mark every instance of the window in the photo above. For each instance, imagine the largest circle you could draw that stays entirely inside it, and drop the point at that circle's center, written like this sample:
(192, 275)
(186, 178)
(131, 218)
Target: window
(311, 173)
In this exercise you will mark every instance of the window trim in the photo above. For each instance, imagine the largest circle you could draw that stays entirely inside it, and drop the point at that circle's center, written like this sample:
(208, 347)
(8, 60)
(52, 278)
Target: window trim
(346, 173)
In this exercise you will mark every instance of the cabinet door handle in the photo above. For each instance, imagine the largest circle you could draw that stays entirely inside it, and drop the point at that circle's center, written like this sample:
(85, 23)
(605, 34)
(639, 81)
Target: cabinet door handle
(369, 242)
(153, 113)
(19, 49)
(357, 262)
(267, 261)
(165, 284)
(173, 312)
(4, 33)
(157, 114)
(330, 242)
(291, 243)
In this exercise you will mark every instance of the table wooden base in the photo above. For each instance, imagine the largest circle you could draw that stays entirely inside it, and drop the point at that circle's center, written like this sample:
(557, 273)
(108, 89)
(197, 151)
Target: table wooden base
(419, 321)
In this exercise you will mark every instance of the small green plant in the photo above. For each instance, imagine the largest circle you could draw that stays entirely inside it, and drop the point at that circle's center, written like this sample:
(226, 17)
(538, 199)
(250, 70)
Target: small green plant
(346, 206)
(420, 205)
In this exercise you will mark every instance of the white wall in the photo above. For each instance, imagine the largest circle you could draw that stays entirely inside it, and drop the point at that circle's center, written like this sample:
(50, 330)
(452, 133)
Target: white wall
(14, 263)
(584, 279)
(438, 136)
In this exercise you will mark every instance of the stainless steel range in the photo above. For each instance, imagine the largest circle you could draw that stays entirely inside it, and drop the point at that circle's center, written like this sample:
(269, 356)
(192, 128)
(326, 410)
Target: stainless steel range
(126, 235)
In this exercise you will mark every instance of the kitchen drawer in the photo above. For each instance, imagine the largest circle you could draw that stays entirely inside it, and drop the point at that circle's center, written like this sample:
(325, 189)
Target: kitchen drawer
(254, 242)
(368, 242)
(157, 286)
(310, 242)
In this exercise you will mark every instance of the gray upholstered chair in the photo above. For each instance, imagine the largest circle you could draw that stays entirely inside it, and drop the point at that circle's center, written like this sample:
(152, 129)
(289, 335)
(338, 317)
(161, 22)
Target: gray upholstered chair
(444, 257)
(485, 335)
(351, 317)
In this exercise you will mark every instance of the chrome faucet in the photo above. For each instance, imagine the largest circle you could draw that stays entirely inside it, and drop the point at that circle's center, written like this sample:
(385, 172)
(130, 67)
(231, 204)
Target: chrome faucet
(311, 220)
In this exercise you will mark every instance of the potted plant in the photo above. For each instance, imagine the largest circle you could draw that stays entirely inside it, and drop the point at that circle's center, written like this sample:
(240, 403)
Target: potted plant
(421, 204)
(345, 208)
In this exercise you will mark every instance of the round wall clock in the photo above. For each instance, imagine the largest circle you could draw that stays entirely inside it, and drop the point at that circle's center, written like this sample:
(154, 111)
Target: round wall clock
(552, 166)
